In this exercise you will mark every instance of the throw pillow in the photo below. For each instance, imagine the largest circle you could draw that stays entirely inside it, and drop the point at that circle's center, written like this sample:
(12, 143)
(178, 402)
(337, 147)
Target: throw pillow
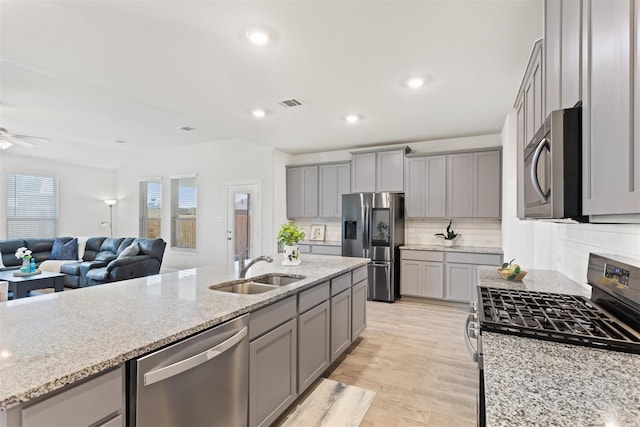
(131, 250)
(65, 251)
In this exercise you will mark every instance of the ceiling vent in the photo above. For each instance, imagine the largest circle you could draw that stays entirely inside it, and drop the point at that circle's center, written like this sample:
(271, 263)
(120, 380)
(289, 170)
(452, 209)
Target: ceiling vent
(186, 128)
(288, 103)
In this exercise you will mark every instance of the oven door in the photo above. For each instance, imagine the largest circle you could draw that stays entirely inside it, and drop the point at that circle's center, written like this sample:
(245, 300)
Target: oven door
(472, 333)
(537, 178)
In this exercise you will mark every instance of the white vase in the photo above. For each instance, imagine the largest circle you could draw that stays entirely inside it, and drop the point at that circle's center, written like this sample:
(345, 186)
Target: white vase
(25, 265)
(291, 255)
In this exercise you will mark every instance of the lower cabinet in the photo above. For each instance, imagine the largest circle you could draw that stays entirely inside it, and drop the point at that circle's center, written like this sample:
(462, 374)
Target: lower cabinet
(272, 374)
(358, 309)
(314, 344)
(459, 282)
(340, 323)
(96, 402)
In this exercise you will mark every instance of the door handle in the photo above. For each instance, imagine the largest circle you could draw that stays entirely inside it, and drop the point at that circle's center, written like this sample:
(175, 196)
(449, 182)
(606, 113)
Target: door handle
(468, 326)
(534, 169)
(177, 368)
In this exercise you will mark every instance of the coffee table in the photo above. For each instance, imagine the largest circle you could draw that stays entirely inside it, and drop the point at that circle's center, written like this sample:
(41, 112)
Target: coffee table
(21, 285)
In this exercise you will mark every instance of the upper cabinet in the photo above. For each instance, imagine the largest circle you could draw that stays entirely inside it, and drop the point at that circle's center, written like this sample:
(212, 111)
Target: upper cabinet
(302, 192)
(335, 180)
(562, 54)
(454, 185)
(611, 107)
(379, 171)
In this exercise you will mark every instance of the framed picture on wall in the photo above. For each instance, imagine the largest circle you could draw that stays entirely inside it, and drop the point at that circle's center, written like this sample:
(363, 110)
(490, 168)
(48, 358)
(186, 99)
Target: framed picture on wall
(317, 233)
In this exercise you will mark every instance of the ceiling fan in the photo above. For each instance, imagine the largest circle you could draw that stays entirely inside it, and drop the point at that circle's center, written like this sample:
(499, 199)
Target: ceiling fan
(7, 139)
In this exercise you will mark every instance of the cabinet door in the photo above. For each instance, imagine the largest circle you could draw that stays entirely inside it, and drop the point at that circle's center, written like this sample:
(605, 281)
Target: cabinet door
(389, 171)
(328, 191)
(432, 279)
(344, 184)
(571, 59)
(487, 184)
(415, 195)
(610, 150)
(358, 309)
(520, 156)
(436, 203)
(460, 185)
(459, 282)
(340, 323)
(302, 192)
(363, 173)
(533, 98)
(272, 374)
(310, 196)
(552, 46)
(313, 344)
(411, 278)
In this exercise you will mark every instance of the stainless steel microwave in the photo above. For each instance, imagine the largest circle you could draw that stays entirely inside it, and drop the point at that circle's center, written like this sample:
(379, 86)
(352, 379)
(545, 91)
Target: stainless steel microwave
(553, 168)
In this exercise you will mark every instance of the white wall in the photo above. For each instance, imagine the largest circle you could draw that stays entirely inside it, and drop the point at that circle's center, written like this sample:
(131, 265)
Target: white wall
(81, 193)
(555, 246)
(216, 165)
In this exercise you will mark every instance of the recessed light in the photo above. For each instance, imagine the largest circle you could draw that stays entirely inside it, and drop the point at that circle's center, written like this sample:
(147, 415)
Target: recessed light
(257, 113)
(352, 118)
(414, 82)
(258, 37)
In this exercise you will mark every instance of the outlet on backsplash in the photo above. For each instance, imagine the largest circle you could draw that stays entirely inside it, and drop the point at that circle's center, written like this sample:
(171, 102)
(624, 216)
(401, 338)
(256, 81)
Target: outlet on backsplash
(475, 232)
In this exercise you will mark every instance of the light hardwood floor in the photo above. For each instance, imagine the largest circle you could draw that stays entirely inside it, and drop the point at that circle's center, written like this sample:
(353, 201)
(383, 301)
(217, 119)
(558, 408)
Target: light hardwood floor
(414, 357)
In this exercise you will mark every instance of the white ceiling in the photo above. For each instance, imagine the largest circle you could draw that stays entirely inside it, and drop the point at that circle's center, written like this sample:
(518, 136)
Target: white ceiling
(87, 73)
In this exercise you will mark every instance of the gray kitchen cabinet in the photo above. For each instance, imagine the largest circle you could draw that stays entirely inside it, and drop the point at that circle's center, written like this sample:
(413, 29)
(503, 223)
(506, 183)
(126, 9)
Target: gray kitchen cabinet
(272, 374)
(358, 309)
(421, 274)
(97, 401)
(459, 282)
(473, 185)
(363, 173)
(313, 344)
(425, 187)
(611, 108)
(378, 171)
(520, 144)
(552, 53)
(334, 181)
(302, 192)
(340, 323)
(529, 96)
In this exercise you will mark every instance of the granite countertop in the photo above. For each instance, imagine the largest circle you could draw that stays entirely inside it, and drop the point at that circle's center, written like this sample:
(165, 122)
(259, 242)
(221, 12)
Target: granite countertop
(442, 248)
(59, 338)
(536, 382)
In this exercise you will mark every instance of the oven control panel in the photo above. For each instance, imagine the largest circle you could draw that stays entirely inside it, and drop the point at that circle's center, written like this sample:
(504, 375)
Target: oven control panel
(618, 274)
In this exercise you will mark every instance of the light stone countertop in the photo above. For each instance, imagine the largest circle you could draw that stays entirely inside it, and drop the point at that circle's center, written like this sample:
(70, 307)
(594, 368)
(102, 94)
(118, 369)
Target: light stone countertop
(56, 339)
(542, 383)
(442, 248)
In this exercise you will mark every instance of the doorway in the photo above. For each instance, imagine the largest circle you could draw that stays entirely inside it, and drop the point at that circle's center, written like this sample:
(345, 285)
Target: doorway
(243, 221)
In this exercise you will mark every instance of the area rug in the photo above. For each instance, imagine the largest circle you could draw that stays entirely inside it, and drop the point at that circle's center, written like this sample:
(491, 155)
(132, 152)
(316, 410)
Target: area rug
(330, 404)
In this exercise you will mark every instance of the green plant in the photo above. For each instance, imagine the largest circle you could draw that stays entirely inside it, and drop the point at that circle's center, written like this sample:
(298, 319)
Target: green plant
(289, 234)
(450, 234)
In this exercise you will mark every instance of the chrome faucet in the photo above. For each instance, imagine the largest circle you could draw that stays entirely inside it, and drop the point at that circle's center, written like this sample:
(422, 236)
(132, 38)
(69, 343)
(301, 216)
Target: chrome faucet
(243, 272)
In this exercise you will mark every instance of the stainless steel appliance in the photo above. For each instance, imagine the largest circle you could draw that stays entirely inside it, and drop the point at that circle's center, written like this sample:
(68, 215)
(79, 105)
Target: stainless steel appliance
(609, 320)
(200, 381)
(373, 227)
(553, 168)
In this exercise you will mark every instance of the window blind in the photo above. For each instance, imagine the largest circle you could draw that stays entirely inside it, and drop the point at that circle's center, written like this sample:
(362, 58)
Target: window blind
(32, 206)
(150, 209)
(183, 212)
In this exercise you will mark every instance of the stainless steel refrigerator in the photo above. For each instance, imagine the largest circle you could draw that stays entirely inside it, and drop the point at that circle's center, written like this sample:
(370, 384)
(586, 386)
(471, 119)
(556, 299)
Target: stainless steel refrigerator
(373, 227)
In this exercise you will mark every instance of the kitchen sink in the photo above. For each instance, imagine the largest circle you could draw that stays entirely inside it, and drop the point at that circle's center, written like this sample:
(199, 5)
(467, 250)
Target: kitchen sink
(245, 288)
(275, 279)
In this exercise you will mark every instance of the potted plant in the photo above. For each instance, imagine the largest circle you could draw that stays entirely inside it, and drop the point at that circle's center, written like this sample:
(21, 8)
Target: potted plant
(288, 237)
(449, 237)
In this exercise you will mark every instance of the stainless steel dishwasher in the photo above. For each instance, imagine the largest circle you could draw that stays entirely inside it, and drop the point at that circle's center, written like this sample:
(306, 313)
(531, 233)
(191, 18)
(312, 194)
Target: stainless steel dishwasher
(200, 381)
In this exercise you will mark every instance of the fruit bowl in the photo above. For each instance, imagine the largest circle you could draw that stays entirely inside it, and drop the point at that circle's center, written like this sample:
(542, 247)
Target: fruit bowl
(508, 275)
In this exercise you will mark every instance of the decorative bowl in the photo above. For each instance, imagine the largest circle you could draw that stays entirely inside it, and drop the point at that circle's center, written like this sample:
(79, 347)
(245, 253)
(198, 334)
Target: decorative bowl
(506, 275)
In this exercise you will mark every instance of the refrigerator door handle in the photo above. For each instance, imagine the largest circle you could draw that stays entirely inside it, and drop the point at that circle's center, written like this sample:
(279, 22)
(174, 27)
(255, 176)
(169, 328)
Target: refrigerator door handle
(365, 230)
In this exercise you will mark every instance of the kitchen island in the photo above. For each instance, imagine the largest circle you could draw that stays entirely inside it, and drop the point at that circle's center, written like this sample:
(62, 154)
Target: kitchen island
(50, 341)
(535, 382)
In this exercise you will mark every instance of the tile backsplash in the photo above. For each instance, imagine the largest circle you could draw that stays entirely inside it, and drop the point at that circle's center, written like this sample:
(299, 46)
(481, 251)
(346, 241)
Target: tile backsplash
(474, 232)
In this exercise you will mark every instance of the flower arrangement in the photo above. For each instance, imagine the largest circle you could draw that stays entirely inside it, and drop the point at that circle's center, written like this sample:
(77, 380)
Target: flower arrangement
(450, 234)
(289, 234)
(23, 253)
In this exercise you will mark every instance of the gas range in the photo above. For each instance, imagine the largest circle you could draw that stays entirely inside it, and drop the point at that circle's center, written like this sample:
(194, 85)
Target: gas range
(608, 320)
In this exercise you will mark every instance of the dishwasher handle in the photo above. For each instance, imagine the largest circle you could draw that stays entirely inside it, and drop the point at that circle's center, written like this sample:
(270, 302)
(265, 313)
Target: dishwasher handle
(177, 368)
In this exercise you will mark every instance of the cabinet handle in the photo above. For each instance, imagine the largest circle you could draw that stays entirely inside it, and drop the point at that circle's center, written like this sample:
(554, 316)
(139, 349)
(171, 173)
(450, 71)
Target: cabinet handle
(534, 169)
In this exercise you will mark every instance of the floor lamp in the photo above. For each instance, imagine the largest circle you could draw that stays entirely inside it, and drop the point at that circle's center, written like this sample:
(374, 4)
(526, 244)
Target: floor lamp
(110, 203)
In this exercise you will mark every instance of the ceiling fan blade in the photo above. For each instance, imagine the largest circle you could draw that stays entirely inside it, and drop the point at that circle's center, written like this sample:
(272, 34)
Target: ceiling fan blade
(29, 137)
(12, 139)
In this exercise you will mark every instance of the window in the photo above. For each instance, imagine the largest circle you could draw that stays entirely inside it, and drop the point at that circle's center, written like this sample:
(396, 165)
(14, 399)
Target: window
(32, 206)
(150, 208)
(183, 212)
